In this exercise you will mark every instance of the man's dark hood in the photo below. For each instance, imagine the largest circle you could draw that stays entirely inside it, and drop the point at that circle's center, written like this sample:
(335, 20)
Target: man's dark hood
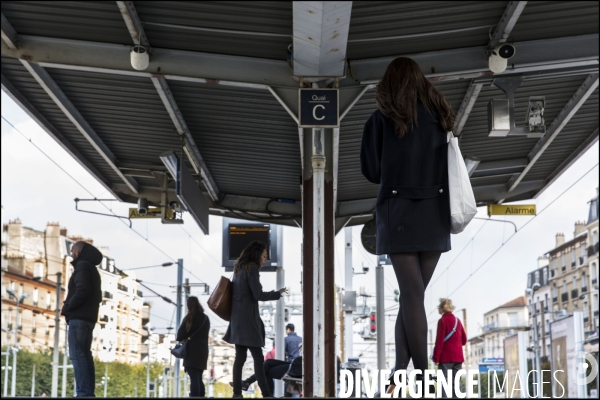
(89, 253)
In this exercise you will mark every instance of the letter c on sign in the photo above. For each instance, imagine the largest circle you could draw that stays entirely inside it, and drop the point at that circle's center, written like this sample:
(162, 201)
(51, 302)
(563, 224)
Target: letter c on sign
(315, 112)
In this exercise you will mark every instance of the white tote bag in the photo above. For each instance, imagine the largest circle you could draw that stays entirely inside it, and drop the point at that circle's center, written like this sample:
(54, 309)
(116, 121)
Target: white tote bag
(462, 200)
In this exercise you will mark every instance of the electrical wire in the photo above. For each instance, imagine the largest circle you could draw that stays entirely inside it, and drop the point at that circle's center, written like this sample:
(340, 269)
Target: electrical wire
(84, 188)
(517, 231)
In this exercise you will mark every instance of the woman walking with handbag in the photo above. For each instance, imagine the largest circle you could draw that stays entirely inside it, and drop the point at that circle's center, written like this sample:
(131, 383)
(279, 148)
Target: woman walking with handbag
(449, 342)
(194, 330)
(404, 148)
(246, 329)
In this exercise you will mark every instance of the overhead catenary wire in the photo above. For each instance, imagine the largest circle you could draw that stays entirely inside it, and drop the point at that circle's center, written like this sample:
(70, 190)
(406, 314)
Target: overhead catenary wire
(515, 233)
(84, 188)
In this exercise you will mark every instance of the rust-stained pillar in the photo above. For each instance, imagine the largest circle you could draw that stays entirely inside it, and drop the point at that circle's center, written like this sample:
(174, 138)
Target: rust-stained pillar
(319, 361)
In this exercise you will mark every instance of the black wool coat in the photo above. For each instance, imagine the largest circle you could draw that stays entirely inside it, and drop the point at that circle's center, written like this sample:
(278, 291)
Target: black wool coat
(85, 287)
(413, 206)
(245, 326)
(197, 347)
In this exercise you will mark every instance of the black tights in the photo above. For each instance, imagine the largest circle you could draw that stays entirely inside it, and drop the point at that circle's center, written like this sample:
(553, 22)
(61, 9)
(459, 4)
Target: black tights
(196, 383)
(241, 352)
(413, 272)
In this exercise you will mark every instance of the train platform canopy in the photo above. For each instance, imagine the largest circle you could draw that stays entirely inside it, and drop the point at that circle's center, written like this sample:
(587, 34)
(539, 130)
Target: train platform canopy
(221, 90)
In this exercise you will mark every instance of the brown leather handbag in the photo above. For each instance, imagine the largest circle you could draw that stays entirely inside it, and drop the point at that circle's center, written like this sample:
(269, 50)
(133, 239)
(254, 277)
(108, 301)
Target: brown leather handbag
(220, 299)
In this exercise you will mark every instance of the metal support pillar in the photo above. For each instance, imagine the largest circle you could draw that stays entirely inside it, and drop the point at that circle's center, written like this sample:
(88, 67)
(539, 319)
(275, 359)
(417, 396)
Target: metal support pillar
(56, 352)
(349, 272)
(178, 321)
(64, 367)
(7, 355)
(33, 382)
(280, 330)
(318, 263)
(379, 289)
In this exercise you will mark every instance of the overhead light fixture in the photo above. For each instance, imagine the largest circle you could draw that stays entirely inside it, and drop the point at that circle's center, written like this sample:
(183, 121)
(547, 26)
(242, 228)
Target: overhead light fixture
(171, 161)
(471, 163)
(140, 59)
(187, 152)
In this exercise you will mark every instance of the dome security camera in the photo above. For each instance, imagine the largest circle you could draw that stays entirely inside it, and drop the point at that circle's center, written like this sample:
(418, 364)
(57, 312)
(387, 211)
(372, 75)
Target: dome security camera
(499, 56)
(140, 59)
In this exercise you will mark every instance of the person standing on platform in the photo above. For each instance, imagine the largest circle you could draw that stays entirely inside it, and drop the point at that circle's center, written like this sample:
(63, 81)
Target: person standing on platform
(449, 342)
(405, 150)
(195, 328)
(80, 310)
(246, 329)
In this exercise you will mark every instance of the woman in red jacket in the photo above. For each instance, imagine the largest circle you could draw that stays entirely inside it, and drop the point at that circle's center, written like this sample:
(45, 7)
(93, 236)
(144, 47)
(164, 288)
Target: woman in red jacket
(451, 337)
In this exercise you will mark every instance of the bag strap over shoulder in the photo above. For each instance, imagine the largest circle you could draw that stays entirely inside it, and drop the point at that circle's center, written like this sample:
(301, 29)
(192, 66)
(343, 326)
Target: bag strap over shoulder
(198, 330)
(453, 329)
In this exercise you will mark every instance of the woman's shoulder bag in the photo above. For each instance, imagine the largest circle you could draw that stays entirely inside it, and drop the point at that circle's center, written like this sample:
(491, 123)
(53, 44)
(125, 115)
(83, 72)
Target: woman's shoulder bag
(462, 200)
(220, 299)
(180, 350)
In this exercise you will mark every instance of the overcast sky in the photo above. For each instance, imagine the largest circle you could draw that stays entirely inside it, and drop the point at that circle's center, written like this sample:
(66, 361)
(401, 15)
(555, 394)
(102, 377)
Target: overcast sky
(37, 191)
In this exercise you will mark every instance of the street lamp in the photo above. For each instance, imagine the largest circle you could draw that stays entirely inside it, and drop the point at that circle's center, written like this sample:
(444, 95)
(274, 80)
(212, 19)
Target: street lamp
(55, 355)
(167, 264)
(536, 346)
(18, 300)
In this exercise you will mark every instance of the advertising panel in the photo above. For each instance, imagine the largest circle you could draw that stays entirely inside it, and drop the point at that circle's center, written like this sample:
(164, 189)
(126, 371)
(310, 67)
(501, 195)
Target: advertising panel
(566, 336)
(515, 364)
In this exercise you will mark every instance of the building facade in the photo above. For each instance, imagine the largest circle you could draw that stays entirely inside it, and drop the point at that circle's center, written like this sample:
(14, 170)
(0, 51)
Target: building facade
(540, 309)
(570, 275)
(499, 323)
(591, 318)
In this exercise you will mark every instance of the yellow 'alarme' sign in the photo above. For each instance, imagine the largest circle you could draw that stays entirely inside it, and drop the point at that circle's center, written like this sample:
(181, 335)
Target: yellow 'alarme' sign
(511, 209)
(153, 212)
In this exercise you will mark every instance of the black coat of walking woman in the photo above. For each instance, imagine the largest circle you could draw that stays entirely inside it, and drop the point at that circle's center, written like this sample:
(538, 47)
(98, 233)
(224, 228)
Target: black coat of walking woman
(404, 149)
(246, 329)
(196, 327)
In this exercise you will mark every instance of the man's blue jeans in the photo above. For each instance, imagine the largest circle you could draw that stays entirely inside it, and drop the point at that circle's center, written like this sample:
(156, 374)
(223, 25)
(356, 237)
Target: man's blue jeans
(80, 351)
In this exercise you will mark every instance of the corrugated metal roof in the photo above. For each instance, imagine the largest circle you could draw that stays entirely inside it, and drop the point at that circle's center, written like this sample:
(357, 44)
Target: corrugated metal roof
(270, 17)
(248, 141)
(96, 21)
(28, 86)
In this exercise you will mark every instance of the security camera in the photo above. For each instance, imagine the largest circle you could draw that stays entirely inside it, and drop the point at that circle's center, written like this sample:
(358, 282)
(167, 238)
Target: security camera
(175, 206)
(142, 206)
(499, 56)
(140, 58)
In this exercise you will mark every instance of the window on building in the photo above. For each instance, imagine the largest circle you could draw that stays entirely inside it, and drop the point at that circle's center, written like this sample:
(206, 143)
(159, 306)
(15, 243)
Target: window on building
(554, 291)
(33, 323)
(595, 305)
(573, 258)
(537, 277)
(35, 297)
(545, 277)
(554, 263)
(563, 259)
(48, 300)
(12, 286)
(574, 282)
(513, 319)
(583, 282)
(595, 237)
(529, 283)
(586, 311)
(564, 286)
(594, 271)
(20, 290)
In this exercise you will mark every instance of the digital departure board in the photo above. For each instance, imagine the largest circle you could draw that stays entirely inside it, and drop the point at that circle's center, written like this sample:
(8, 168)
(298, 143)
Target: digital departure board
(238, 233)
(241, 235)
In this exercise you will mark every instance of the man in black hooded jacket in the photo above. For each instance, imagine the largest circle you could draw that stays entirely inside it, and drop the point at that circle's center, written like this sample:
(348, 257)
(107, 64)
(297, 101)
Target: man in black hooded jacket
(81, 312)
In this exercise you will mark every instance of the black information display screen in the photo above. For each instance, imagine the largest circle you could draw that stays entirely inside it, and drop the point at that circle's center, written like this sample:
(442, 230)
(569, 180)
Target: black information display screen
(241, 235)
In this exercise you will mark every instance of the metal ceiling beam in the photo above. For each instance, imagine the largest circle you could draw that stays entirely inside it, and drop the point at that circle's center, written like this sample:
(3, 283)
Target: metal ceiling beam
(570, 160)
(471, 62)
(507, 22)
(136, 30)
(213, 68)
(495, 168)
(320, 37)
(67, 107)
(9, 35)
(538, 55)
(466, 107)
(577, 100)
(54, 133)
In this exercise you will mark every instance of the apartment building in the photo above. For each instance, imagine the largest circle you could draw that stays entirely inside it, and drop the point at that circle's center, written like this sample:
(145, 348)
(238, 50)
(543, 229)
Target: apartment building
(540, 309)
(570, 275)
(591, 317)
(499, 323)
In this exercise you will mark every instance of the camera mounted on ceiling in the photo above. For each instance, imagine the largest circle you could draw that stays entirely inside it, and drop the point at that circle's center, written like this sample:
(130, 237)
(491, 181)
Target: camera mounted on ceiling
(140, 57)
(499, 55)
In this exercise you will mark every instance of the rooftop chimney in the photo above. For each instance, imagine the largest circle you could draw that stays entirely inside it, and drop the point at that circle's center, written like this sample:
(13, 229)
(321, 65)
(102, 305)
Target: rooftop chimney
(560, 239)
(542, 261)
(579, 228)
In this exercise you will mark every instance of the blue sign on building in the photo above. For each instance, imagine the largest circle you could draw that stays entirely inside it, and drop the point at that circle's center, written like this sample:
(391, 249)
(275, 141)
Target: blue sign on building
(492, 361)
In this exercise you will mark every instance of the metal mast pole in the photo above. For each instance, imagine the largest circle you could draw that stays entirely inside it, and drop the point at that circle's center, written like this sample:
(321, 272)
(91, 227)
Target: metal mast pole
(279, 329)
(56, 352)
(5, 394)
(349, 274)
(13, 389)
(64, 371)
(379, 288)
(178, 320)
(33, 382)
(318, 164)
